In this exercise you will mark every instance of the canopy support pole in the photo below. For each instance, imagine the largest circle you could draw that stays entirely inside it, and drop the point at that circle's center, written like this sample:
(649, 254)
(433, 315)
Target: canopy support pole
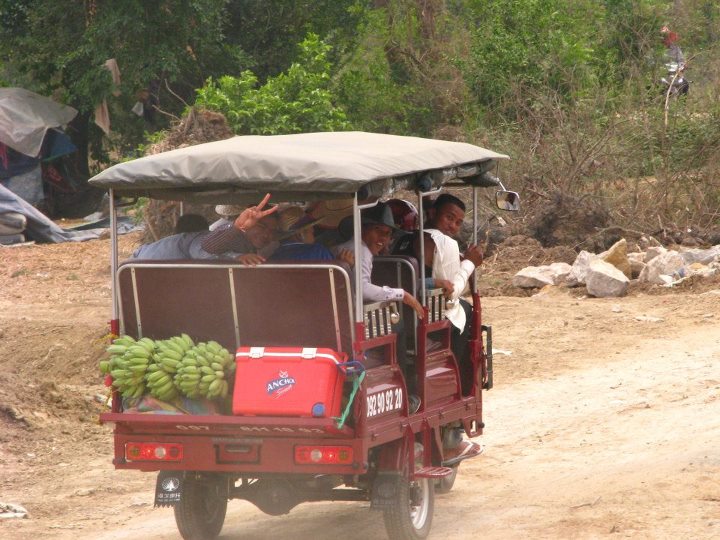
(421, 216)
(115, 321)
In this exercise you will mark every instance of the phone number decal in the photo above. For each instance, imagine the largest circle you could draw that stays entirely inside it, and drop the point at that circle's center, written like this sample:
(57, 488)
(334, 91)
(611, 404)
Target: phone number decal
(385, 401)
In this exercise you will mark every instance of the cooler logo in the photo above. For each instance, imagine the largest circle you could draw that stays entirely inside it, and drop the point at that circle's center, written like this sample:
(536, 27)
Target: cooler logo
(280, 385)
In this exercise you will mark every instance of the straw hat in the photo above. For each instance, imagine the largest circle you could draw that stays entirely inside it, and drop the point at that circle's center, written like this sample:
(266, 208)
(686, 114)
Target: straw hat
(331, 211)
(229, 210)
(294, 220)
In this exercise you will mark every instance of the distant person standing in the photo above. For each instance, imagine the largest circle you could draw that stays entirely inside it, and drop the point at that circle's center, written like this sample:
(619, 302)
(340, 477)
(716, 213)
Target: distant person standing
(673, 53)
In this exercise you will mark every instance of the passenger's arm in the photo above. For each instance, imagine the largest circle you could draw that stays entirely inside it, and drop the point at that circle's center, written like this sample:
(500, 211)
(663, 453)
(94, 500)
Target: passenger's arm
(226, 239)
(372, 292)
(451, 268)
(411, 301)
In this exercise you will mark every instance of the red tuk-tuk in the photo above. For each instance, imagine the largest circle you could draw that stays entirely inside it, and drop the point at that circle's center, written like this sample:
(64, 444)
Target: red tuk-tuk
(319, 409)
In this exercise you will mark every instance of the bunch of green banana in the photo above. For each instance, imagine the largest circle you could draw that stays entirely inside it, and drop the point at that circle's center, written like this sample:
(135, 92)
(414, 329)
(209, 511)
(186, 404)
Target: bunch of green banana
(202, 371)
(160, 375)
(116, 349)
(128, 364)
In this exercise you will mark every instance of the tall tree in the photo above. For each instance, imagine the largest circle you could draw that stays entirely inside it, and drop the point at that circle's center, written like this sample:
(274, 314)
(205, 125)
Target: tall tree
(59, 48)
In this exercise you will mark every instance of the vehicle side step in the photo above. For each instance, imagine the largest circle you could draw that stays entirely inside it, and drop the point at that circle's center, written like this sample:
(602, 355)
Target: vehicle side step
(471, 451)
(433, 472)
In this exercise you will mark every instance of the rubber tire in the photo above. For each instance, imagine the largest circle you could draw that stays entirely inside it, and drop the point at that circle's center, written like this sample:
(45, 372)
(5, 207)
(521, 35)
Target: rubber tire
(200, 514)
(444, 485)
(399, 521)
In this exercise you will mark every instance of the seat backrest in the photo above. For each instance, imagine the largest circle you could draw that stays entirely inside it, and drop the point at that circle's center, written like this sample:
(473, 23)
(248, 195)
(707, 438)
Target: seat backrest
(399, 271)
(293, 305)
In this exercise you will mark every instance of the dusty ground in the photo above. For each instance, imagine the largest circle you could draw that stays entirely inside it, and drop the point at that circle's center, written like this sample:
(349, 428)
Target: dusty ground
(604, 421)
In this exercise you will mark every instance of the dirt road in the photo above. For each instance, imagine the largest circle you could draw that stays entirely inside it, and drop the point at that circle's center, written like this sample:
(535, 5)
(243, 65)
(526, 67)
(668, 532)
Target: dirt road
(604, 421)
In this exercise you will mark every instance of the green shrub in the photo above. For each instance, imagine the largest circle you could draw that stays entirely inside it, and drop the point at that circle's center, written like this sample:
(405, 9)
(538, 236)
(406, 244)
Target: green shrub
(296, 101)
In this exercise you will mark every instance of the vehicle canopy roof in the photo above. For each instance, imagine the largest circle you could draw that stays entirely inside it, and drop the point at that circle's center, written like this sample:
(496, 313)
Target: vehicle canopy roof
(302, 167)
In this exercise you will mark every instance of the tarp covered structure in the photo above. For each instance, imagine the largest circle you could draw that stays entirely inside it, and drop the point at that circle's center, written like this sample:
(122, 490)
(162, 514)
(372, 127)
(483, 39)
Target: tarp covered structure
(39, 227)
(305, 166)
(26, 116)
(30, 134)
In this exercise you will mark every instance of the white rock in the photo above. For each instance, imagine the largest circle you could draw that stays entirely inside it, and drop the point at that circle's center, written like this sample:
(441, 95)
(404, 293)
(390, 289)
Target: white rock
(604, 280)
(580, 268)
(532, 277)
(653, 251)
(10, 510)
(668, 263)
(702, 256)
(560, 272)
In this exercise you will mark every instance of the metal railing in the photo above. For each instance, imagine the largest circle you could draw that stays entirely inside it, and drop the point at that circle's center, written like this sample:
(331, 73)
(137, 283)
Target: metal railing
(379, 318)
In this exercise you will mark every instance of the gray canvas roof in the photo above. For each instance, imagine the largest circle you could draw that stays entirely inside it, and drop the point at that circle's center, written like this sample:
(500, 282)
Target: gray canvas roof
(304, 166)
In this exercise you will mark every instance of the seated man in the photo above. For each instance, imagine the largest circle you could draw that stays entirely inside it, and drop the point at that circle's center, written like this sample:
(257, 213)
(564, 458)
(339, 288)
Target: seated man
(377, 226)
(449, 272)
(442, 258)
(331, 212)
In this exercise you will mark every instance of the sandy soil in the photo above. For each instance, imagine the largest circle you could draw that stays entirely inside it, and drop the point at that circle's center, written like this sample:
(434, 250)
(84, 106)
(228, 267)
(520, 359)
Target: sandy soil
(604, 420)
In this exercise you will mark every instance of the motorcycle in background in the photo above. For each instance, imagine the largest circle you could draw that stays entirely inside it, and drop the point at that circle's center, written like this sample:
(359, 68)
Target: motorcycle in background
(675, 84)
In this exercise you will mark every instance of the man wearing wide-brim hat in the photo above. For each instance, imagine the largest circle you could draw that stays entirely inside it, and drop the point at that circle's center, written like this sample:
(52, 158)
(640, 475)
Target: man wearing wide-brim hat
(377, 226)
(331, 213)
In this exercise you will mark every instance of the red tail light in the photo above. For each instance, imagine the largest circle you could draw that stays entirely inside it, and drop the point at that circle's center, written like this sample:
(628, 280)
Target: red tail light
(153, 451)
(323, 455)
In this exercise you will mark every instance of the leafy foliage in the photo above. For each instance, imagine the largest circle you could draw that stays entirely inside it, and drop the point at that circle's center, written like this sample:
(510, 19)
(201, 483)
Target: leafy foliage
(269, 30)
(569, 88)
(539, 43)
(296, 101)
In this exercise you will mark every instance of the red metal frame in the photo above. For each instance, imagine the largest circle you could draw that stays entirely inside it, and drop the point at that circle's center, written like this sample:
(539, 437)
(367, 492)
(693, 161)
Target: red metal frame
(205, 437)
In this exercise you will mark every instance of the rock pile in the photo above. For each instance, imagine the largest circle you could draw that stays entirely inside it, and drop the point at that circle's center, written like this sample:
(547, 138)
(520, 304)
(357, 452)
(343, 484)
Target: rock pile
(609, 273)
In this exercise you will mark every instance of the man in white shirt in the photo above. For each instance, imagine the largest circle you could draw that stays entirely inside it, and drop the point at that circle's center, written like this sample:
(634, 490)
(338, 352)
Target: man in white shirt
(442, 257)
(450, 272)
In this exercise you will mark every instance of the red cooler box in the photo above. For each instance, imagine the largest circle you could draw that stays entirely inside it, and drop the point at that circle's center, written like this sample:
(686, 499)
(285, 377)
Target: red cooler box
(285, 381)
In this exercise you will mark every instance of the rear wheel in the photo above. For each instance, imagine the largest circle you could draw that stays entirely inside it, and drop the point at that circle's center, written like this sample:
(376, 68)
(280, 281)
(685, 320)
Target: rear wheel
(200, 514)
(409, 517)
(446, 483)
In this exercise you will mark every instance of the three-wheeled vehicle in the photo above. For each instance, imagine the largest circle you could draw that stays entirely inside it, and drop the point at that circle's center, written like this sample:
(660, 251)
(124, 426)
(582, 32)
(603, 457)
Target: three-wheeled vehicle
(320, 408)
